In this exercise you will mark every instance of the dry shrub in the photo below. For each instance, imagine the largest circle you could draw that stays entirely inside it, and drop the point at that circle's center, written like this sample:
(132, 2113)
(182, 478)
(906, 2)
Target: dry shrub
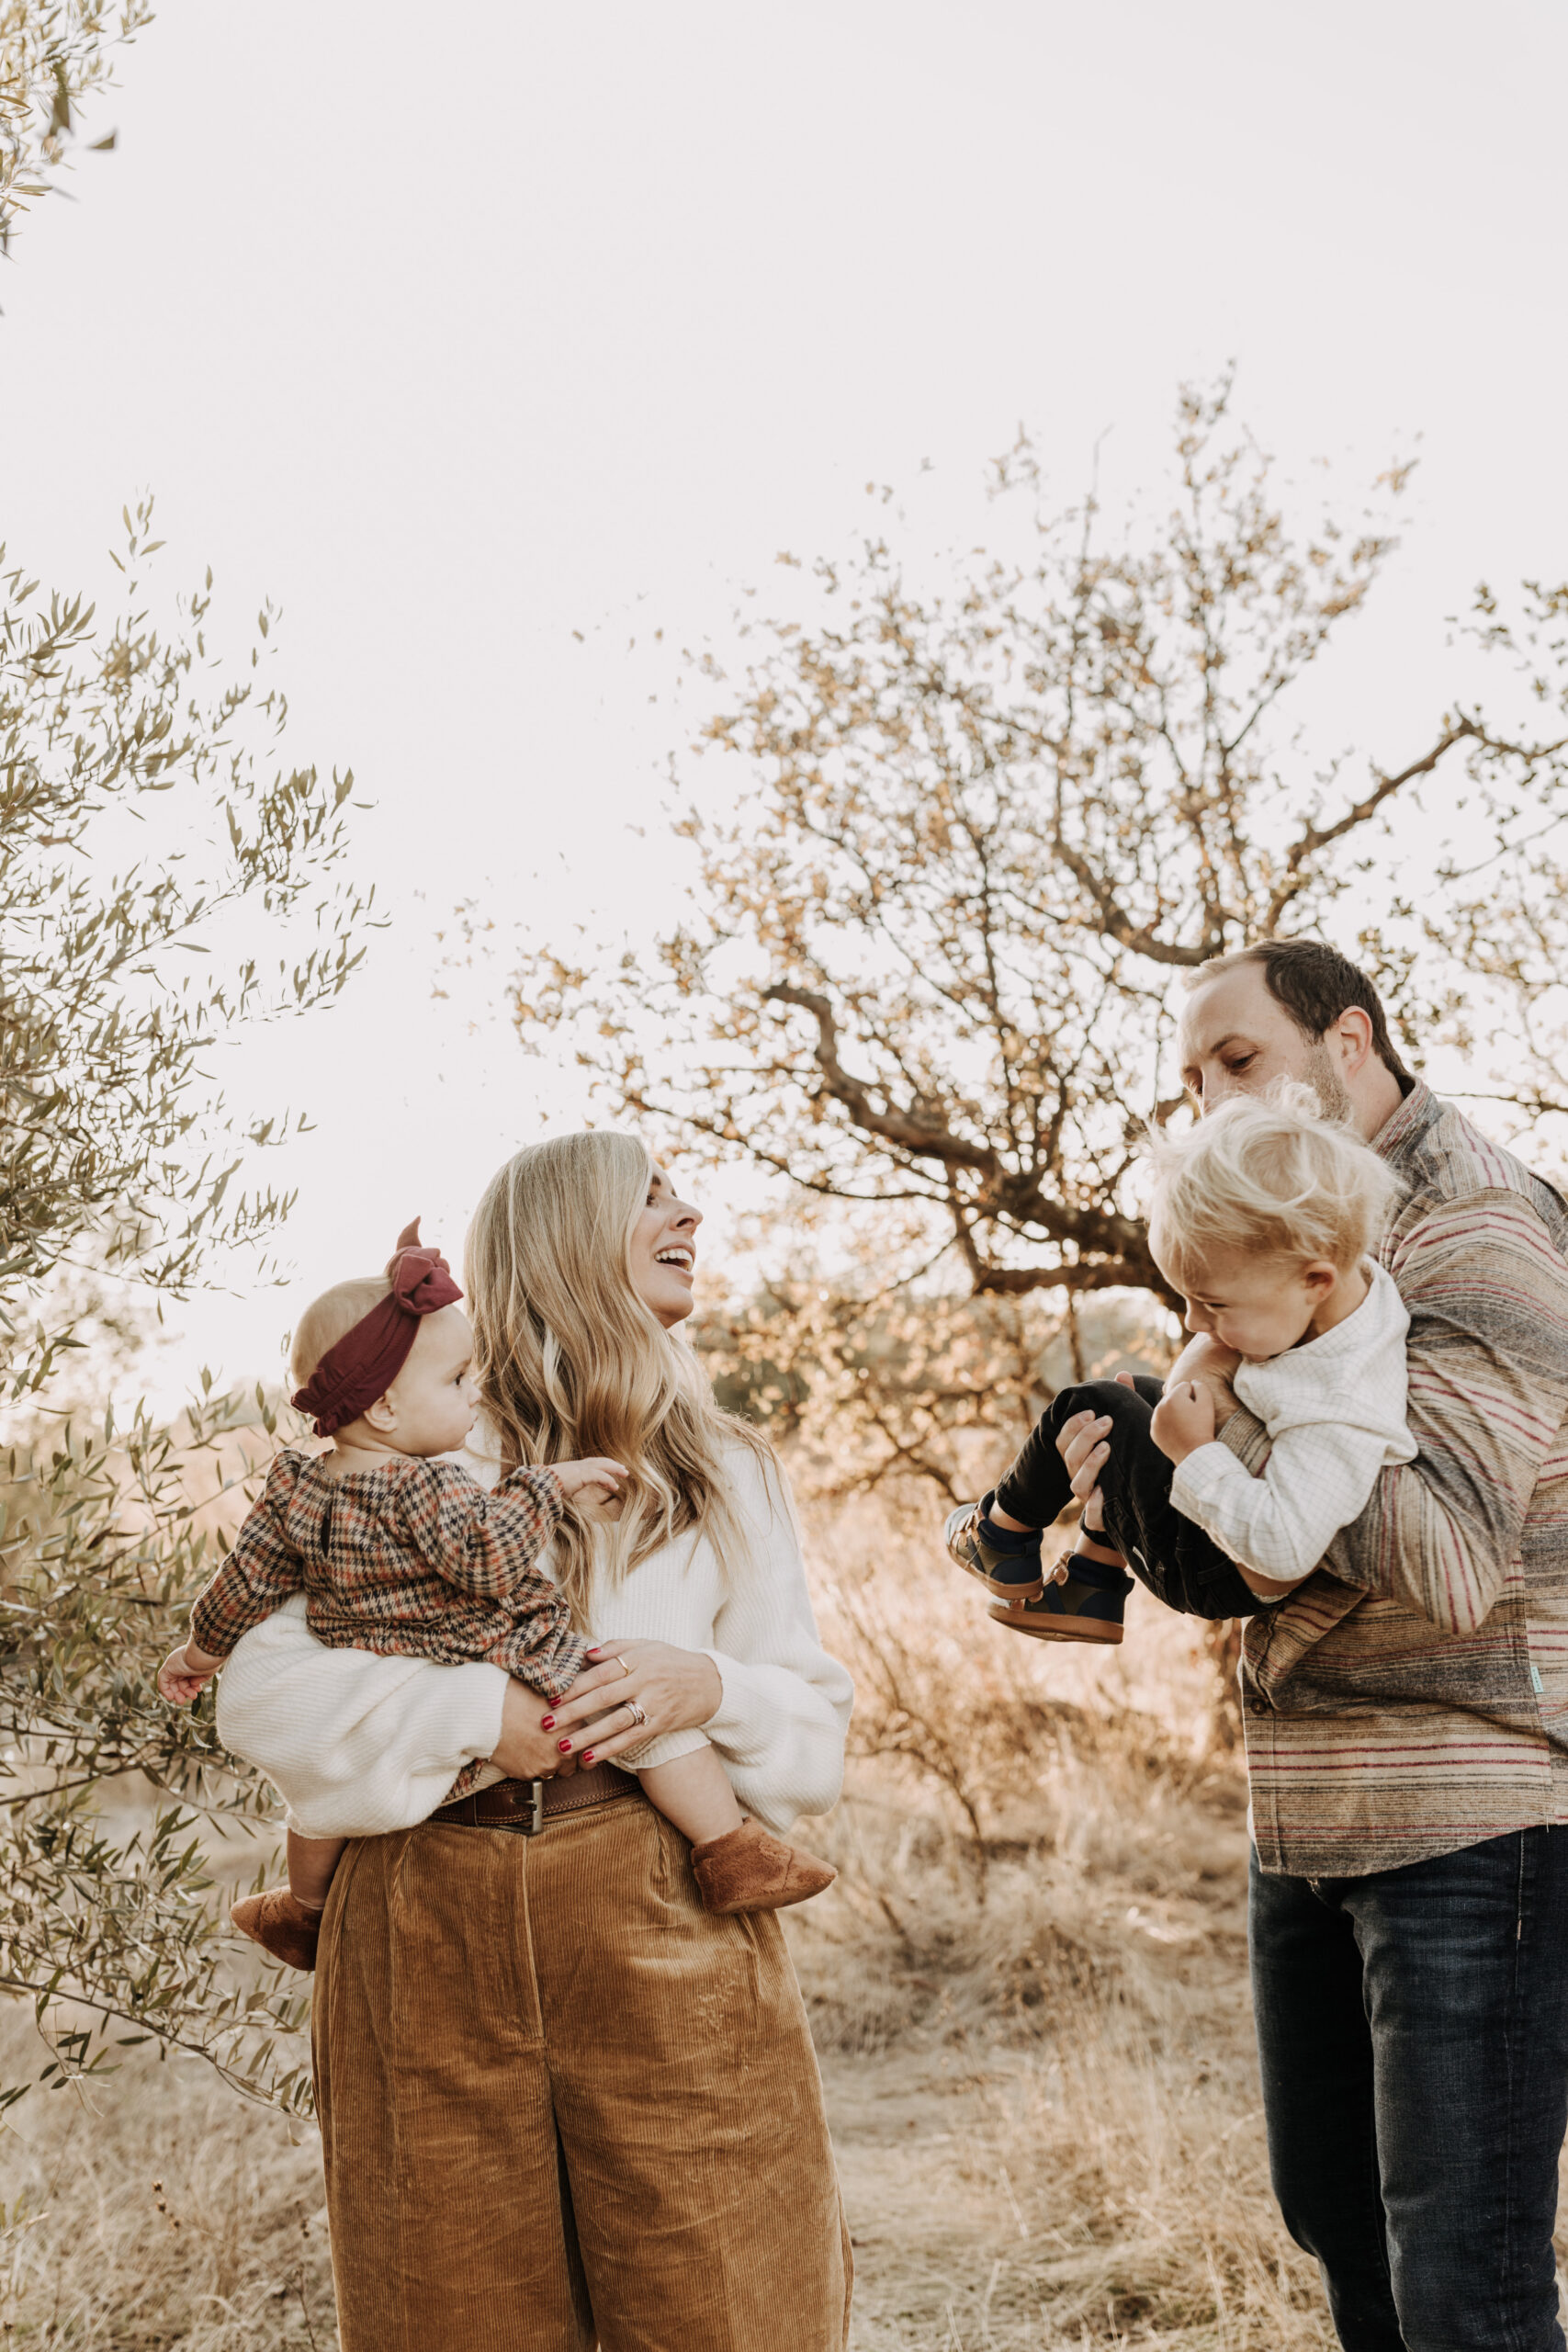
(1106, 2187)
(1139, 2200)
(948, 1701)
(1029, 1984)
(154, 2209)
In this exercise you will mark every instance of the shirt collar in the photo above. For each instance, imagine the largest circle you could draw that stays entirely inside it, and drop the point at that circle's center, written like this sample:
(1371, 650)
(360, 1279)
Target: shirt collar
(1415, 1113)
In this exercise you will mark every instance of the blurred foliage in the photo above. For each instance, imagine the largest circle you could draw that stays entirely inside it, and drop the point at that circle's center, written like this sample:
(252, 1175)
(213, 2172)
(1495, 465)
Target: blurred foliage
(933, 961)
(167, 882)
(53, 53)
(873, 1386)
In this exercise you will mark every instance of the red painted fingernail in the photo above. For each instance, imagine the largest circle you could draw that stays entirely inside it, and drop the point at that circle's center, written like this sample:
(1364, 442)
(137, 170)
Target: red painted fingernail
(565, 1746)
(595, 1651)
(546, 1722)
(588, 1756)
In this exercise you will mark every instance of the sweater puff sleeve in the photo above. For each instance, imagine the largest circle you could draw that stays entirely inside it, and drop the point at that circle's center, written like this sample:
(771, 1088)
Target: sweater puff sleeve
(356, 1744)
(785, 1716)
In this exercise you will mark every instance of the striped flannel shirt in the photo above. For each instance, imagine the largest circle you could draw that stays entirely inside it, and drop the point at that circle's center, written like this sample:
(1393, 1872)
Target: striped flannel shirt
(1412, 1698)
(414, 1560)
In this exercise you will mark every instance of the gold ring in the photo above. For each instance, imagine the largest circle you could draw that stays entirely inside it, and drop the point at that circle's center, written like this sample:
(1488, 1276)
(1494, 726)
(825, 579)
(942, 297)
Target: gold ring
(637, 1714)
(622, 1664)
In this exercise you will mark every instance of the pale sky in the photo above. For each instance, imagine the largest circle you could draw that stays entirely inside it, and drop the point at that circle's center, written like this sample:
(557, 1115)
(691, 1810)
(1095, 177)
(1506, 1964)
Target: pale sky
(456, 331)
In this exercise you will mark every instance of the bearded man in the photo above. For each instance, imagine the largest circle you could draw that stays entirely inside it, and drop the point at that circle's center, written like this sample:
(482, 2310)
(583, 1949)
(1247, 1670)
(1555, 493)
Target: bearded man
(1406, 1716)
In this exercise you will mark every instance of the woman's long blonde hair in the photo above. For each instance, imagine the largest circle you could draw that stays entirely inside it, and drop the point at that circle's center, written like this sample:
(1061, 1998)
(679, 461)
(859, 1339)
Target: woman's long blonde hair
(570, 1363)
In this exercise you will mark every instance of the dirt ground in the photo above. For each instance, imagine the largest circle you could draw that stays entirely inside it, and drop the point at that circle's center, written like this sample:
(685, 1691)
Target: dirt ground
(1043, 2103)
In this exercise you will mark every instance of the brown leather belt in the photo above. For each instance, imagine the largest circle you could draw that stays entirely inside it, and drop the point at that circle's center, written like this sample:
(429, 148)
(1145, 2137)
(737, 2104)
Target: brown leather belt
(524, 1806)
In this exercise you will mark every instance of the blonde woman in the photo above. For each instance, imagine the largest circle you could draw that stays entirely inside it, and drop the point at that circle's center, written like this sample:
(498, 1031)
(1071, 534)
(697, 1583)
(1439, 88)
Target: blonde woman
(561, 2104)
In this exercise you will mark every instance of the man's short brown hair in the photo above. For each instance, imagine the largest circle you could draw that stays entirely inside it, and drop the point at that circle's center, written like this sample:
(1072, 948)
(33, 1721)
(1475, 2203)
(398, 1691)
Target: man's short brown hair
(1314, 984)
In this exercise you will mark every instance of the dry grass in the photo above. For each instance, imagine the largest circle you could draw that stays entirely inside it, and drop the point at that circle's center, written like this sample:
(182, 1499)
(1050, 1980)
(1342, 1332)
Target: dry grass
(1038, 2051)
(1035, 2044)
(157, 2211)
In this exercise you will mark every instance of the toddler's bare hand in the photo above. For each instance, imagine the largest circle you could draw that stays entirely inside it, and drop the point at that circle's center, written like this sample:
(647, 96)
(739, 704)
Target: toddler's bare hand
(177, 1681)
(1205, 1359)
(1183, 1419)
(598, 1472)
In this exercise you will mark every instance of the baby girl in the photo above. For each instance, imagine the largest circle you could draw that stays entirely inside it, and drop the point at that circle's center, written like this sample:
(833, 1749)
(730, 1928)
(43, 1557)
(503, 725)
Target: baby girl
(1264, 1218)
(407, 1555)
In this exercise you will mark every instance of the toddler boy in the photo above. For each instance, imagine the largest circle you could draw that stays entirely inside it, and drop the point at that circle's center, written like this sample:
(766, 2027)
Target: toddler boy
(1263, 1218)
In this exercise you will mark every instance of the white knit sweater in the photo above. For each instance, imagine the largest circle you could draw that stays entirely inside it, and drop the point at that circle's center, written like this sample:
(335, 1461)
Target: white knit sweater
(359, 1744)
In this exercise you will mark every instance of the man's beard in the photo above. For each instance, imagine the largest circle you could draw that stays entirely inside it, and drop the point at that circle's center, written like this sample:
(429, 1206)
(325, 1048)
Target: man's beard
(1327, 1085)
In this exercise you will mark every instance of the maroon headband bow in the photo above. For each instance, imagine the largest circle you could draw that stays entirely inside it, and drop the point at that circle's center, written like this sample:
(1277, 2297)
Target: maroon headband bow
(367, 1359)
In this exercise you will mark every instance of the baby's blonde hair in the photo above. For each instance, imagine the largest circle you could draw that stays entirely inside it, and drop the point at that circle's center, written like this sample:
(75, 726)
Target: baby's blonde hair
(1268, 1174)
(330, 1319)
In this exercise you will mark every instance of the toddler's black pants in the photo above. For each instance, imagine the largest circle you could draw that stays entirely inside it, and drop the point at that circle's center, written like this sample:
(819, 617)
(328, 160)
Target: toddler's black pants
(1180, 1564)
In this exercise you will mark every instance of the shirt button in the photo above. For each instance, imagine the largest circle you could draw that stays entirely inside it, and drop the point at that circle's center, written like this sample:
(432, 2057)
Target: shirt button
(1256, 1706)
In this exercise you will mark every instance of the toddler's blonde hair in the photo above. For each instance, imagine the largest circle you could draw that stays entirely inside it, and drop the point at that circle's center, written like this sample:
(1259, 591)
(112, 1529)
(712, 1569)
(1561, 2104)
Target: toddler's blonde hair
(330, 1319)
(1271, 1175)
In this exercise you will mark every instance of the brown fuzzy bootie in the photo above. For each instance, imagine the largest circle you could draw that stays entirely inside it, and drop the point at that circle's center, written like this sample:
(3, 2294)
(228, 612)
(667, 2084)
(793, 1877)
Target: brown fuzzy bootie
(279, 1922)
(751, 1869)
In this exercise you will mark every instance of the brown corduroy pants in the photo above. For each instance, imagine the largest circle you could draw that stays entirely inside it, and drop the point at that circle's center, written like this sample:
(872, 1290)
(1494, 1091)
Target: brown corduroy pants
(562, 2107)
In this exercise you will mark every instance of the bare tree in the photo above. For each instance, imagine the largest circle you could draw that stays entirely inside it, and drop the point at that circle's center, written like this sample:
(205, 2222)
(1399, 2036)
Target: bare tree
(932, 959)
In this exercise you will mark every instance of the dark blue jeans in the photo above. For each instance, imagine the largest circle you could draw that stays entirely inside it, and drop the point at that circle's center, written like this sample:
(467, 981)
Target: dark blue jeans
(1413, 2034)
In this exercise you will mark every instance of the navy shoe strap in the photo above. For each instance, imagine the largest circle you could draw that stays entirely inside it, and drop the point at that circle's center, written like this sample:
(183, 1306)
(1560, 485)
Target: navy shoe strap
(1099, 1574)
(1006, 1539)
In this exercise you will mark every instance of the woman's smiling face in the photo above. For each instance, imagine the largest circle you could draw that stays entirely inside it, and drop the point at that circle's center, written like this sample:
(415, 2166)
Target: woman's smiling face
(663, 1253)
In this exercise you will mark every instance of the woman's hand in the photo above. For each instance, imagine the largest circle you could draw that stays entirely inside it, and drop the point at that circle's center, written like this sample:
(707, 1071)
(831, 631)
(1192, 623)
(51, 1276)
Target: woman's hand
(672, 1689)
(526, 1750)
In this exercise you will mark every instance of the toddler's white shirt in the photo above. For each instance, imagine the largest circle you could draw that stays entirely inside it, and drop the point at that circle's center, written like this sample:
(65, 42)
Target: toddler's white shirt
(1335, 1413)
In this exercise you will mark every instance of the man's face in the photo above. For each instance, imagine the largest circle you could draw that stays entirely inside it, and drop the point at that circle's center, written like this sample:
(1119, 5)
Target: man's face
(1235, 1039)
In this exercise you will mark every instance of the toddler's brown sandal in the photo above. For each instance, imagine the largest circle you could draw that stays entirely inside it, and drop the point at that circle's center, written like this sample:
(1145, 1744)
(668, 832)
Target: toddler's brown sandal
(1087, 1608)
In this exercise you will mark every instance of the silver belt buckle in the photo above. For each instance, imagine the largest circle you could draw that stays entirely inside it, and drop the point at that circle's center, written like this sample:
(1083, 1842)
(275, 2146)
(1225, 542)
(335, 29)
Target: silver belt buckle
(536, 1820)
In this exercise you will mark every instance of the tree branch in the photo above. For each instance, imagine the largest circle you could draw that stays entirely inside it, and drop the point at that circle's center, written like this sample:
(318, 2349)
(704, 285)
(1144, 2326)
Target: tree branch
(1116, 1274)
(1014, 1196)
(922, 1137)
(1116, 924)
(1318, 837)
